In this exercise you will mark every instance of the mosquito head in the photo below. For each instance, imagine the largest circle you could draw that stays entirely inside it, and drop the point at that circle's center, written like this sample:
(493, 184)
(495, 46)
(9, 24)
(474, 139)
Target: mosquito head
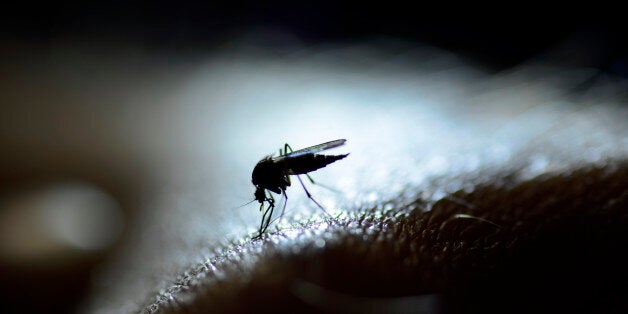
(260, 194)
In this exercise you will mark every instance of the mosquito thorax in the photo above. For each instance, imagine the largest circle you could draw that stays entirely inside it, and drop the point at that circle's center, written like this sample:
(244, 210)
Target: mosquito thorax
(262, 171)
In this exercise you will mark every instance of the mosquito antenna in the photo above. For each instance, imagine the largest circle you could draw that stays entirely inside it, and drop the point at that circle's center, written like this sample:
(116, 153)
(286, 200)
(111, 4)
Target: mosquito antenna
(247, 203)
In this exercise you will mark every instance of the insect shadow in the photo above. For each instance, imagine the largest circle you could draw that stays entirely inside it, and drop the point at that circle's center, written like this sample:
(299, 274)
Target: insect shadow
(273, 174)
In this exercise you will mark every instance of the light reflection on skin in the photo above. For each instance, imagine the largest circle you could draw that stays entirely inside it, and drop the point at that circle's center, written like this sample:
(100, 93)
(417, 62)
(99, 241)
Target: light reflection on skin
(401, 132)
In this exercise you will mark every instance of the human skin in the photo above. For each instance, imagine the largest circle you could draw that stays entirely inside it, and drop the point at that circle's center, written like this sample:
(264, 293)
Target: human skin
(549, 244)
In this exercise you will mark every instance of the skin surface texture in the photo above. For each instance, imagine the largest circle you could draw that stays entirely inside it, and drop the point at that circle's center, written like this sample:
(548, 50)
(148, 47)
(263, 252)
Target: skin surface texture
(548, 244)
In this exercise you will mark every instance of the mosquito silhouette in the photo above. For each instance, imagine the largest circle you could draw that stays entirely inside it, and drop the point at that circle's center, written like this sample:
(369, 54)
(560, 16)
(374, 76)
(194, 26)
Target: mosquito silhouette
(273, 174)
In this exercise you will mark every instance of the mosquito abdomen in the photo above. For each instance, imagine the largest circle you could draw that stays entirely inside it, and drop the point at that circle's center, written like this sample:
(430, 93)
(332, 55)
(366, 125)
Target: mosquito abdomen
(307, 163)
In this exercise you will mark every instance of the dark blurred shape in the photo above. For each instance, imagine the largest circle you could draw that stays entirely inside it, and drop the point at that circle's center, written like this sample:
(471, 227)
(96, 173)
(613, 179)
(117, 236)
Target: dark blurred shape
(496, 39)
(51, 236)
(38, 224)
(334, 302)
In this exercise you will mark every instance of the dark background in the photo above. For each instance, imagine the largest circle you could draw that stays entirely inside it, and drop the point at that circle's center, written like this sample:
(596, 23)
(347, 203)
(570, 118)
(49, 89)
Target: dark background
(497, 36)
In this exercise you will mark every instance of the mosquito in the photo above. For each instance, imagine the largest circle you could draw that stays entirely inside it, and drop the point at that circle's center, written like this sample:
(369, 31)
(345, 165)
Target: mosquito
(273, 174)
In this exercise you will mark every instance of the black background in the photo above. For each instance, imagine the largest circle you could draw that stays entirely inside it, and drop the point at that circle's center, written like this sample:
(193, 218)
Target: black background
(497, 35)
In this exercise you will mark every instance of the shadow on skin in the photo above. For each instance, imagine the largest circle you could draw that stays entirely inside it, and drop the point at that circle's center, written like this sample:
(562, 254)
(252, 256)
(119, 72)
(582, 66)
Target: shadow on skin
(548, 244)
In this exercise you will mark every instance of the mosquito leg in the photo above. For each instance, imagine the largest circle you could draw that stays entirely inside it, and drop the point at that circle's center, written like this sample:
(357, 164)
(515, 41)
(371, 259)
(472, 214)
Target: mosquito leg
(314, 182)
(285, 202)
(285, 150)
(310, 178)
(310, 197)
(321, 185)
(286, 147)
(271, 206)
(266, 219)
(261, 226)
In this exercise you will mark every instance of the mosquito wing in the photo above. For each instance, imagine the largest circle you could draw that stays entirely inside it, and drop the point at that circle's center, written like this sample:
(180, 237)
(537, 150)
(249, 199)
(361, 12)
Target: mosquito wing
(313, 149)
